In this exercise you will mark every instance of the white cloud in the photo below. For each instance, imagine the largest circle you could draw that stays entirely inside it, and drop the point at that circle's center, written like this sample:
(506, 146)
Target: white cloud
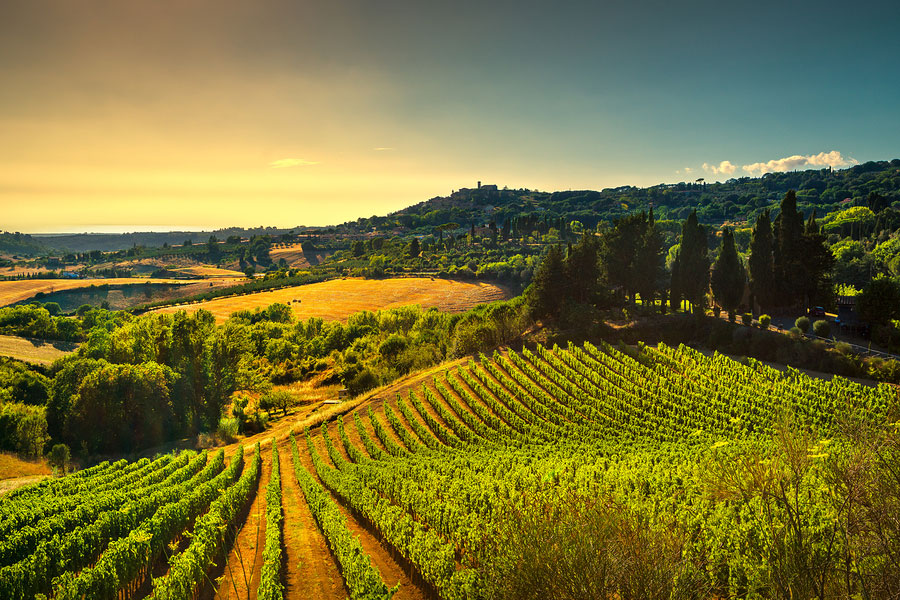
(283, 163)
(382, 149)
(798, 162)
(723, 168)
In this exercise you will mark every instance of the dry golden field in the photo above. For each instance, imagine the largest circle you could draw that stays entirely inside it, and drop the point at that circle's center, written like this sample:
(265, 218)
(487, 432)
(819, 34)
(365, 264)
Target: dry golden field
(34, 351)
(207, 271)
(296, 257)
(339, 298)
(22, 289)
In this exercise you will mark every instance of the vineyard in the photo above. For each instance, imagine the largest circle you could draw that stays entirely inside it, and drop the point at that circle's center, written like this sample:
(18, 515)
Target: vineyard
(578, 472)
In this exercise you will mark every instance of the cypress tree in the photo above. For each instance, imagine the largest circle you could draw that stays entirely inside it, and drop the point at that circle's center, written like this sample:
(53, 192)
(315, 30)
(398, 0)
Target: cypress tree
(788, 250)
(761, 261)
(728, 275)
(583, 269)
(547, 290)
(649, 263)
(817, 261)
(693, 268)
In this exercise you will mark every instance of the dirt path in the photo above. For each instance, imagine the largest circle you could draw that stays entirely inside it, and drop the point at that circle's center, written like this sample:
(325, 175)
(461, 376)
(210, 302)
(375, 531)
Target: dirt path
(310, 570)
(240, 578)
(391, 569)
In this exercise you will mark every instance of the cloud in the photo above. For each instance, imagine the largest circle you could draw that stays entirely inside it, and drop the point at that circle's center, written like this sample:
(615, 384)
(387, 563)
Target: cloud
(798, 162)
(723, 168)
(283, 163)
(382, 149)
(686, 171)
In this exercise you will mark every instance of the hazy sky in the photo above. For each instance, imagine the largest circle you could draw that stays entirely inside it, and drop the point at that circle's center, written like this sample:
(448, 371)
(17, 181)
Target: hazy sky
(208, 113)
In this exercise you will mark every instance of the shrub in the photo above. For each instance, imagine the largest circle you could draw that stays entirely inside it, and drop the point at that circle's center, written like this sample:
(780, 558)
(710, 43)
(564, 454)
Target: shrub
(844, 348)
(802, 323)
(227, 430)
(747, 319)
(822, 328)
(764, 321)
(732, 316)
(365, 380)
(796, 332)
(59, 457)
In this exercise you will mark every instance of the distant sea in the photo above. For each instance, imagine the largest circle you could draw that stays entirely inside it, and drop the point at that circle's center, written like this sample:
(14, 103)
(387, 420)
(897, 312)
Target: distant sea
(116, 229)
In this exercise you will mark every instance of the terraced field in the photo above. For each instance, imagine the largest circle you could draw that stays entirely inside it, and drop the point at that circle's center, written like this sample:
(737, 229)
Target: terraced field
(407, 493)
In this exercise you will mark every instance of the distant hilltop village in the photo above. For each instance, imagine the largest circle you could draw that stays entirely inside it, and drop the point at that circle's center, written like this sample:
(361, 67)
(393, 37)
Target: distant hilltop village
(484, 189)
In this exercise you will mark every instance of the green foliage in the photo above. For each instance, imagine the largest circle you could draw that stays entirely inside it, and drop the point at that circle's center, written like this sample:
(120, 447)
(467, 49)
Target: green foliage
(764, 321)
(802, 323)
(879, 301)
(23, 429)
(822, 328)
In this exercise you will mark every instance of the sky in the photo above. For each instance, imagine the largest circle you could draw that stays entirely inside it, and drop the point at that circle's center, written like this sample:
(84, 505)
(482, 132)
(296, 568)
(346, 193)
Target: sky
(140, 114)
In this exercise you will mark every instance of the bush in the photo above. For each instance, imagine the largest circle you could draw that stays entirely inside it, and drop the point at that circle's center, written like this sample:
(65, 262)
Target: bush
(802, 323)
(822, 328)
(764, 321)
(59, 457)
(227, 431)
(796, 332)
(747, 319)
(365, 380)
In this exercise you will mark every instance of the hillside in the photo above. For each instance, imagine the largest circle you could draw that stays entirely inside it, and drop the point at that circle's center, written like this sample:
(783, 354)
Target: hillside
(739, 199)
(651, 470)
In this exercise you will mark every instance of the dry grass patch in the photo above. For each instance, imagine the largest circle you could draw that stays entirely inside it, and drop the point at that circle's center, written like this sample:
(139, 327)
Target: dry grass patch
(11, 467)
(34, 351)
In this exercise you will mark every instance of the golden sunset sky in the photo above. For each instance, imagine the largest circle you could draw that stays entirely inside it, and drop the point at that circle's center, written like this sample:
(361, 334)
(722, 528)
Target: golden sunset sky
(311, 112)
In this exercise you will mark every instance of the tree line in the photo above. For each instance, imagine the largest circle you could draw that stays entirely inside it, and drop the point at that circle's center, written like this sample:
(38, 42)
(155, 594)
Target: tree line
(787, 267)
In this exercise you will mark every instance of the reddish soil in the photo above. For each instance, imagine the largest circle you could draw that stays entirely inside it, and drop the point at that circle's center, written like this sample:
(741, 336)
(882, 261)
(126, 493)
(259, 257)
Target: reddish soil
(310, 570)
(240, 578)
(390, 568)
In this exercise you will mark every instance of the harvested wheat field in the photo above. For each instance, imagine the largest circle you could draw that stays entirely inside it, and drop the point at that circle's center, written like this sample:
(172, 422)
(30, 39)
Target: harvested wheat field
(296, 257)
(207, 271)
(339, 298)
(23, 289)
(34, 351)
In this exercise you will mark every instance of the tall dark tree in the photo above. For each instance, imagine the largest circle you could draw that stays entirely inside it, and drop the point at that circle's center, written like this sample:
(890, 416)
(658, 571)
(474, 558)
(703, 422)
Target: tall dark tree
(691, 277)
(649, 263)
(625, 255)
(788, 250)
(583, 269)
(414, 248)
(547, 291)
(817, 262)
(728, 275)
(762, 262)
(675, 294)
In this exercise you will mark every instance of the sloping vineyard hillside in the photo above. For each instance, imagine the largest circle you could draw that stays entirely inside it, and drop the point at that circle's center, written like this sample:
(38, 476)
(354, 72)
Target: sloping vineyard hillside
(585, 471)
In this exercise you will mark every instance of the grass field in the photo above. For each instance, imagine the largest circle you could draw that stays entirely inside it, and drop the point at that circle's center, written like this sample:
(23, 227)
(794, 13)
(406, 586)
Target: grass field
(34, 351)
(340, 298)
